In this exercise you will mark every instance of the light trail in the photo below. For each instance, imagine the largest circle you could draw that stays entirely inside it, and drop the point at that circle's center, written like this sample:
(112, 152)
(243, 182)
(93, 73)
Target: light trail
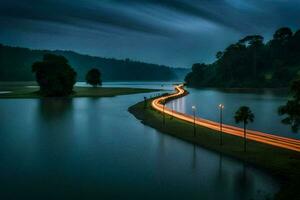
(278, 141)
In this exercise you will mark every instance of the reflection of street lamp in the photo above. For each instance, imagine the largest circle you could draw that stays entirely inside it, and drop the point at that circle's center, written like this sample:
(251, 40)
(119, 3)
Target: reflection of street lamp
(221, 107)
(194, 113)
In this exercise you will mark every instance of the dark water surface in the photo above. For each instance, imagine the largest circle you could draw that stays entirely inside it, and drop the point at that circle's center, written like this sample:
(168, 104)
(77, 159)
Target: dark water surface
(87, 148)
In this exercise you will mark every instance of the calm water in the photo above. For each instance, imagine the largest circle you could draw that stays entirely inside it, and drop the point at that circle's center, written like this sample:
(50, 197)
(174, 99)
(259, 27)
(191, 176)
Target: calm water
(263, 103)
(93, 148)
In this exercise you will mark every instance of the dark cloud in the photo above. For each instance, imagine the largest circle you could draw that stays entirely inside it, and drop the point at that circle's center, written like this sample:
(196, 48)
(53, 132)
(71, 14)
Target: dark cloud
(175, 32)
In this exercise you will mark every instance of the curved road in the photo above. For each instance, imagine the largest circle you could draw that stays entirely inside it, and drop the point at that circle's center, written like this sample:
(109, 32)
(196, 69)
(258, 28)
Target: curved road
(278, 141)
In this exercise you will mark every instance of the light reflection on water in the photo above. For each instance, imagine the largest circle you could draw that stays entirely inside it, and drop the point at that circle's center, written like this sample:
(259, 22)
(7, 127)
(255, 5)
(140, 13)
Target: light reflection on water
(94, 148)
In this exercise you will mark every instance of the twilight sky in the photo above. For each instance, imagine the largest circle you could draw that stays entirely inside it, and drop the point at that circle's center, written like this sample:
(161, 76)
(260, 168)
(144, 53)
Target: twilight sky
(171, 32)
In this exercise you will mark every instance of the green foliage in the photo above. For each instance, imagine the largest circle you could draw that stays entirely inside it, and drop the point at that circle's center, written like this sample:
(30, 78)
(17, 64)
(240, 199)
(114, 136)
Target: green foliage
(252, 63)
(15, 65)
(244, 115)
(93, 77)
(54, 75)
(292, 108)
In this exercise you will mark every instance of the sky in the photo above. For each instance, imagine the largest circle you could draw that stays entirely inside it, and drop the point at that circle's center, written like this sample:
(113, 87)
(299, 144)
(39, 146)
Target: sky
(176, 33)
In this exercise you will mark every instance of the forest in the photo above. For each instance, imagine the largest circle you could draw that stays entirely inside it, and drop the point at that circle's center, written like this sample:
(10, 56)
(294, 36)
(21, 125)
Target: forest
(252, 63)
(15, 65)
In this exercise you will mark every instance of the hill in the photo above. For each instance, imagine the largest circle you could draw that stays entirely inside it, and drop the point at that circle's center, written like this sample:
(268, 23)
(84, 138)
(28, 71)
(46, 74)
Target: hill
(15, 65)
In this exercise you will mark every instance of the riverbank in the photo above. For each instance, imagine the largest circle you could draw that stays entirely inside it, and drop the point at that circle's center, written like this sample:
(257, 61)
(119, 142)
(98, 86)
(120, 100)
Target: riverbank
(32, 92)
(282, 163)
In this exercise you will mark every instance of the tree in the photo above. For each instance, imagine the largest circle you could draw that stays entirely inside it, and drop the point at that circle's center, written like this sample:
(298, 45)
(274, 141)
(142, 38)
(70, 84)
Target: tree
(254, 43)
(294, 45)
(283, 34)
(292, 108)
(244, 115)
(252, 40)
(93, 77)
(219, 55)
(198, 73)
(54, 75)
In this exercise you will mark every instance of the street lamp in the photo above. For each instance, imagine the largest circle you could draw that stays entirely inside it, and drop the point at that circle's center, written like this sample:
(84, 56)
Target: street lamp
(194, 113)
(172, 110)
(221, 107)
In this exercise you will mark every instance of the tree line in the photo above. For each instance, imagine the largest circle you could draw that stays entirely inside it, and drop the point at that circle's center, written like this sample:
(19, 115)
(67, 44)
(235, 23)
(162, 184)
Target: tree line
(251, 62)
(15, 64)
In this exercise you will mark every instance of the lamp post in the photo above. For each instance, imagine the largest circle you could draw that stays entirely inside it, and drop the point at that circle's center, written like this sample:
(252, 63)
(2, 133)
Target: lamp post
(163, 103)
(221, 107)
(172, 110)
(145, 102)
(194, 113)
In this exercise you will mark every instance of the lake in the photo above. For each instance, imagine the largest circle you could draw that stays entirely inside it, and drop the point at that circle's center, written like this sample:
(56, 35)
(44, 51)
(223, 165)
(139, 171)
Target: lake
(92, 148)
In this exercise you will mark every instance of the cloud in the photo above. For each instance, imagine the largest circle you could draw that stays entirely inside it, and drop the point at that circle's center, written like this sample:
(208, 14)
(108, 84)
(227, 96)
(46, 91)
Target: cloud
(162, 28)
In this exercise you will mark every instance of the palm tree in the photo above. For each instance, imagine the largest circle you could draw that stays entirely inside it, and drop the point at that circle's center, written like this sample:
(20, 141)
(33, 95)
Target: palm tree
(245, 115)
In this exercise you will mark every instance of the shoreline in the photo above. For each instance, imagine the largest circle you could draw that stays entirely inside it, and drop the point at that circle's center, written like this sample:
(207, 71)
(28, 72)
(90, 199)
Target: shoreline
(25, 92)
(282, 163)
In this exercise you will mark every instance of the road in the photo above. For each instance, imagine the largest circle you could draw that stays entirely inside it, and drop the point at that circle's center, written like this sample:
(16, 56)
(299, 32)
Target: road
(278, 141)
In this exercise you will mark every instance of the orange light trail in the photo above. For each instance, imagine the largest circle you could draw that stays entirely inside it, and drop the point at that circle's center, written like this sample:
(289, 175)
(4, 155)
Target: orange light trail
(278, 141)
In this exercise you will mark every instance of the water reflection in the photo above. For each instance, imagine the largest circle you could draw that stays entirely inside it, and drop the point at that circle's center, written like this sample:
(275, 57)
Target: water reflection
(54, 108)
(194, 158)
(242, 182)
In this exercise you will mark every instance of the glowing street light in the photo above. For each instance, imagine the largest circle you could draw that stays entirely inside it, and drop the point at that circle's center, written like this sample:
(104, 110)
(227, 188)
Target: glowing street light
(194, 113)
(221, 107)
(164, 103)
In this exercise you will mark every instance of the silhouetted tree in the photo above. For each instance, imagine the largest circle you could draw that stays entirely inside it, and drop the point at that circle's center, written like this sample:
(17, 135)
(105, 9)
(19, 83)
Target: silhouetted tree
(252, 63)
(219, 55)
(54, 75)
(198, 73)
(93, 77)
(254, 43)
(244, 115)
(283, 34)
(292, 108)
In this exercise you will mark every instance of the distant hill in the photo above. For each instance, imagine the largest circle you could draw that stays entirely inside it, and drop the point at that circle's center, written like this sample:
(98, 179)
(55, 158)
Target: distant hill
(15, 65)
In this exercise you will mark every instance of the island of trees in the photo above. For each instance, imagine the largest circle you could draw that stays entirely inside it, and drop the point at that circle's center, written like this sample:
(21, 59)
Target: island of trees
(56, 77)
(252, 63)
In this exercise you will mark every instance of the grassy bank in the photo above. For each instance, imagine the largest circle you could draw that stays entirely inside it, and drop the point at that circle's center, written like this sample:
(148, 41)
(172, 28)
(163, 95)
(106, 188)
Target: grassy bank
(32, 92)
(284, 164)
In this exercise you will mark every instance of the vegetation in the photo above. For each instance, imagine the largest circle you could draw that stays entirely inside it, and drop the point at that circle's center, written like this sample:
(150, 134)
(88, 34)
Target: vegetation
(292, 108)
(252, 63)
(244, 115)
(15, 64)
(285, 166)
(93, 77)
(54, 76)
